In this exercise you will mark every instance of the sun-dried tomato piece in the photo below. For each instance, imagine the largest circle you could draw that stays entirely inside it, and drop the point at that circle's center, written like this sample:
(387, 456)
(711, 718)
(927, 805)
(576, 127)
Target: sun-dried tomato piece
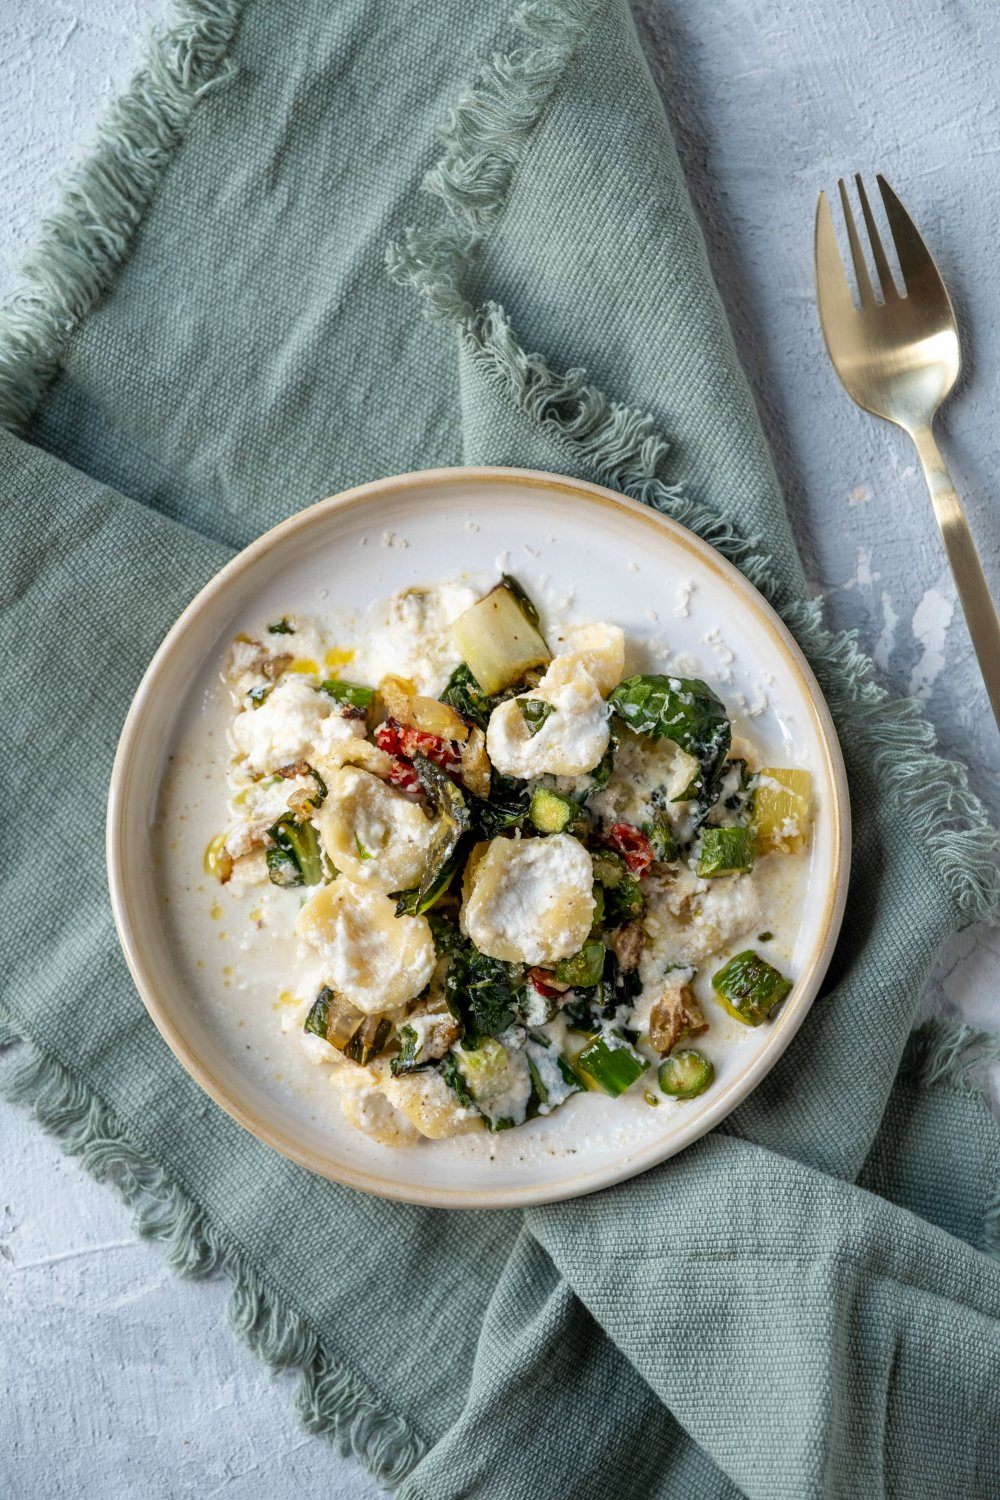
(633, 846)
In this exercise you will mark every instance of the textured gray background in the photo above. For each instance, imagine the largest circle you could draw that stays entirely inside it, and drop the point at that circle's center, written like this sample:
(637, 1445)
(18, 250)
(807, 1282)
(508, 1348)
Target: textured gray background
(116, 1379)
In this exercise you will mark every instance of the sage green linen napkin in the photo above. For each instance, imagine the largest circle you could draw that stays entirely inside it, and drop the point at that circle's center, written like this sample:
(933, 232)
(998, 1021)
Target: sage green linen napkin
(209, 337)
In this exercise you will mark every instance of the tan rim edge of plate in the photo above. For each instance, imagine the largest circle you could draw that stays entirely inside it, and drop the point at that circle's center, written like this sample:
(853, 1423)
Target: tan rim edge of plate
(784, 1028)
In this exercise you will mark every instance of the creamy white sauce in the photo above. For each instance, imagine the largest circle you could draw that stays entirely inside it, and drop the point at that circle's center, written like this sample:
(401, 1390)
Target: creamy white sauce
(264, 987)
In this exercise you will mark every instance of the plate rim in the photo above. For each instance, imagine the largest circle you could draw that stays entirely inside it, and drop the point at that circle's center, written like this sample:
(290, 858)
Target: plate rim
(129, 928)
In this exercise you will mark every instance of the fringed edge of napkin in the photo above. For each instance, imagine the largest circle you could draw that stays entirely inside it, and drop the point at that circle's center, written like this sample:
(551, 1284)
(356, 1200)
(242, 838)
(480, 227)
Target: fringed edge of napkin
(78, 252)
(486, 137)
(332, 1401)
(81, 246)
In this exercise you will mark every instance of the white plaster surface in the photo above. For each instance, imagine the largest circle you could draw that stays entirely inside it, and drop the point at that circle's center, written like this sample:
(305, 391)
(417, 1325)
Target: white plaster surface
(115, 1378)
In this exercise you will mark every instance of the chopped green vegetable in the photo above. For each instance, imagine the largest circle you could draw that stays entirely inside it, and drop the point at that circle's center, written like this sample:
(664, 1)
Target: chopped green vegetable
(599, 906)
(764, 937)
(498, 640)
(444, 931)
(258, 695)
(609, 867)
(416, 902)
(338, 1022)
(282, 868)
(508, 805)
(498, 1080)
(553, 1080)
(362, 852)
(348, 692)
(319, 1014)
(750, 988)
(725, 851)
(483, 993)
(534, 712)
(281, 627)
(685, 710)
(549, 812)
(651, 1098)
(369, 1039)
(661, 836)
(453, 1077)
(782, 809)
(453, 818)
(685, 1075)
(612, 1063)
(442, 793)
(601, 774)
(584, 969)
(409, 1047)
(464, 694)
(580, 1013)
(296, 858)
(623, 902)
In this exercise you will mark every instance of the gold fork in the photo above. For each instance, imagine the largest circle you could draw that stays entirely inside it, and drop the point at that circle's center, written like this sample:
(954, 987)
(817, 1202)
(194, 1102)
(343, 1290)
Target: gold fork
(899, 358)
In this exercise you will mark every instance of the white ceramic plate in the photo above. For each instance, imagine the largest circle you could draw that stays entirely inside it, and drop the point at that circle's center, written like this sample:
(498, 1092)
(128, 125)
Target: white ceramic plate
(615, 560)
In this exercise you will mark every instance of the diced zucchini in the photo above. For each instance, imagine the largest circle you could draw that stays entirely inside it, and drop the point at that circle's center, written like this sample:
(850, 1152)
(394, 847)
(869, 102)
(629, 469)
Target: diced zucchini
(612, 1063)
(782, 810)
(296, 858)
(623, 902)
(348, 692)
(584, 969)
(498, 641)
(599, 906)
(549, 812)
(725, 851)
(685, 1075)
(661, 836)
(609, 867)
(749, 988)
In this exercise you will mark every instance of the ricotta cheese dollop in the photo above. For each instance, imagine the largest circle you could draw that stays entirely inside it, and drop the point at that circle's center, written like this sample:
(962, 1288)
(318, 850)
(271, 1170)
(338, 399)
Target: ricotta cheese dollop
(295, 722)
(366, 953)
(530, 900)
(570, 741)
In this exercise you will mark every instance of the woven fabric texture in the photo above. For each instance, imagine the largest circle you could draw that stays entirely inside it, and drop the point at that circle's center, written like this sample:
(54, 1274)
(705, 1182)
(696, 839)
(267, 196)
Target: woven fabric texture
(228, 320)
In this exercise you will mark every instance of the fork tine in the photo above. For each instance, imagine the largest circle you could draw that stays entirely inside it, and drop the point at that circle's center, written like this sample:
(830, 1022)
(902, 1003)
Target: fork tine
(857, 254)
(881, 264)
(832, 287)
(915, 262)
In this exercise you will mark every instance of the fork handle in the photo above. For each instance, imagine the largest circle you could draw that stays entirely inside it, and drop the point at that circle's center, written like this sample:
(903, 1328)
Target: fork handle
(977, 603)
